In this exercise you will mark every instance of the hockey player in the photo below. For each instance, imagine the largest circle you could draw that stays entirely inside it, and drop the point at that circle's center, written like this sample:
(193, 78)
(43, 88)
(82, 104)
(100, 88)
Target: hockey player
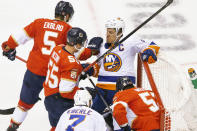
(81, 117)
(120, 62)
(134, 108)
(62, 76)
(47, 34)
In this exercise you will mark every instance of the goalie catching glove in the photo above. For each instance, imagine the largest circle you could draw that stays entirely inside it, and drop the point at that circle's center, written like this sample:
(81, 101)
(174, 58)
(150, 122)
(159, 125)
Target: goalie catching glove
(95, 44)
(8, 52)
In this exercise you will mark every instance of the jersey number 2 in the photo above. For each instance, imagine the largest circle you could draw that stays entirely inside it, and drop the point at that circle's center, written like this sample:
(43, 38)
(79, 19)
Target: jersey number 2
(80, 118)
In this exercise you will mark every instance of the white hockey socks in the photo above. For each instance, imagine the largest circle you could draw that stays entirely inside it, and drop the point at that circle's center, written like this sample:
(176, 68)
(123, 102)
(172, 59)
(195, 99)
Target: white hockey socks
(19, 115)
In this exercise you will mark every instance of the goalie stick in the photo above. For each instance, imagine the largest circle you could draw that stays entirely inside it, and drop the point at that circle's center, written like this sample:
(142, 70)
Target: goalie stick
(131, 33)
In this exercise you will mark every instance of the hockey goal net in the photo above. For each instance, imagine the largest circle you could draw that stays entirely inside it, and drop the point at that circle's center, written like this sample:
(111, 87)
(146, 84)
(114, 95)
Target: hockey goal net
(174, 92)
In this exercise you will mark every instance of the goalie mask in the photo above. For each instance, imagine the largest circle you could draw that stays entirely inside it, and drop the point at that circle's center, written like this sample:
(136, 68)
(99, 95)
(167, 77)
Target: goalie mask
(76, 36)
(83, 98)
(116, 23)
(124, 83)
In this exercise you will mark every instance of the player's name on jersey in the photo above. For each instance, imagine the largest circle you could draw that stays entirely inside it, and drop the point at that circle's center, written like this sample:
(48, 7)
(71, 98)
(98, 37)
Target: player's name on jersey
(79, 111)
(53, 26)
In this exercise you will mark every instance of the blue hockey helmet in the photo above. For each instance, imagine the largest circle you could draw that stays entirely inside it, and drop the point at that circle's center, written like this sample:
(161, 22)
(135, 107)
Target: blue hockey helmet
(76, 36)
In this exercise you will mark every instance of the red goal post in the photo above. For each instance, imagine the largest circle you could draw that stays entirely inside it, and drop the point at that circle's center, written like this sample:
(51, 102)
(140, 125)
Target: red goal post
(140, 65)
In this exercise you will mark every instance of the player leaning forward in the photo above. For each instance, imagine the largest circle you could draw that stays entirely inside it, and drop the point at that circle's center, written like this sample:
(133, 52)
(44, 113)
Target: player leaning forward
(120, 62)
(134, 108)
(62, 76)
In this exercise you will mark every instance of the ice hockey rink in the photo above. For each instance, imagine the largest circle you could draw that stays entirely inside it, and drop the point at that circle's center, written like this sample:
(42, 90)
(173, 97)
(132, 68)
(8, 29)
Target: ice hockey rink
(174, 30)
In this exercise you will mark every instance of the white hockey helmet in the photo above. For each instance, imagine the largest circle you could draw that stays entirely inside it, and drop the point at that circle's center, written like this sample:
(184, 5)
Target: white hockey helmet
(116, 23)
(83, 98)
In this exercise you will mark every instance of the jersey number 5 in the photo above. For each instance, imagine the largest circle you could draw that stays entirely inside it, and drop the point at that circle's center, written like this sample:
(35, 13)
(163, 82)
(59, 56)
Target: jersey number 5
(149, 102)
(51, 76)
(47, 42)
(80, 119)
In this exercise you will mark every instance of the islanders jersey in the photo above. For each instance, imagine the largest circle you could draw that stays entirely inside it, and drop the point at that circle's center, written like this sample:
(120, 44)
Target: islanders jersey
(138, 108)
(63, 72)
(120, 62)
(47, 34)
(81, 118)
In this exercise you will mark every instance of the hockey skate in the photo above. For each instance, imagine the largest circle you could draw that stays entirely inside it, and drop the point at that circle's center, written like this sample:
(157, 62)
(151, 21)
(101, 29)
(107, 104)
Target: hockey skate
(13, 127)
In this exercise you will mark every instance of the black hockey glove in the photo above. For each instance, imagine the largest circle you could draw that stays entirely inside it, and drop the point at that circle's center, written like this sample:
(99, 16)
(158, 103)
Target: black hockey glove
(90, 72)
(83, 76)
(9, 53)
(126, 128)
(95, 44)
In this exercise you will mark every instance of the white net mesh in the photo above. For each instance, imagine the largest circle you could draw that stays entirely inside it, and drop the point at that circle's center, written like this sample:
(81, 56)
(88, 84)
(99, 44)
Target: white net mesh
(175, 90)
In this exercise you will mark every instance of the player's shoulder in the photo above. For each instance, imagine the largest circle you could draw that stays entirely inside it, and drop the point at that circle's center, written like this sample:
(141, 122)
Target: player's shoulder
(139, 90)
(125, 95)
(59, 47)
(119, 96)
(41, 20)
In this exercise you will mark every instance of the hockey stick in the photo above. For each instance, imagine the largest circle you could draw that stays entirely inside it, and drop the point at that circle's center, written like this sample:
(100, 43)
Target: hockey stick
(104, 101)
(131, 33)
(7, 111)
(21, 59)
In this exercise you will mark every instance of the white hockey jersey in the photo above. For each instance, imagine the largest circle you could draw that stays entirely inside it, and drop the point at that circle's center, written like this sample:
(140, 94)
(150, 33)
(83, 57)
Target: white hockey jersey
(81, 118)
(120, 62)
